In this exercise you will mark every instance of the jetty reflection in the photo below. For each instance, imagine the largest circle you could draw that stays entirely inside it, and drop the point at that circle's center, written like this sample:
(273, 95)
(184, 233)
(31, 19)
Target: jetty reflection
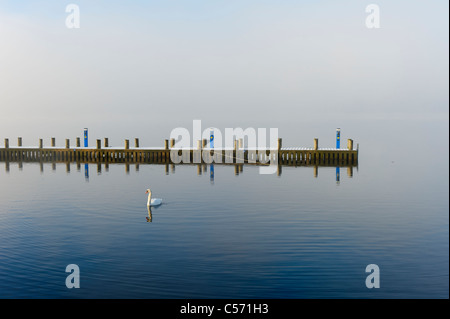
(202, 169)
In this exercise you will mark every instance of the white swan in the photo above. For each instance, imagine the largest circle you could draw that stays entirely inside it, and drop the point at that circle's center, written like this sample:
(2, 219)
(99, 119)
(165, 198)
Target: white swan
(152, 201)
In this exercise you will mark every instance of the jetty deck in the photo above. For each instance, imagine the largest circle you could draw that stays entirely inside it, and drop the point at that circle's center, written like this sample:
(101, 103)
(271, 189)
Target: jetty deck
(171, 155)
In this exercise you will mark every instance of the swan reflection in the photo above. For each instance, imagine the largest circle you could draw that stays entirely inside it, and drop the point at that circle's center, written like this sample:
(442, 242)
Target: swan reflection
(149, 218)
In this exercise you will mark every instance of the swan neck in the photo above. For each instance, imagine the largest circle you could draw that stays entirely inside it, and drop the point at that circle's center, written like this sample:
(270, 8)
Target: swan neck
(149, 201)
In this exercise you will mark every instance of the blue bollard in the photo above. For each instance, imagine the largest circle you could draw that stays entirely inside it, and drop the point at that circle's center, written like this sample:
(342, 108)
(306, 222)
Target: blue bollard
(338, 138)
(85, 137)
(211, 139)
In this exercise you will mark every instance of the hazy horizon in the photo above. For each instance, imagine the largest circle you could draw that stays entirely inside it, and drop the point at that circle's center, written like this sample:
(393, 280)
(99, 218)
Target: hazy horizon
(143, 69)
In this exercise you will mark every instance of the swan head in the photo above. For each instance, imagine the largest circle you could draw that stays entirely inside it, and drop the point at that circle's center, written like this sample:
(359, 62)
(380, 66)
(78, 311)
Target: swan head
(148, 191)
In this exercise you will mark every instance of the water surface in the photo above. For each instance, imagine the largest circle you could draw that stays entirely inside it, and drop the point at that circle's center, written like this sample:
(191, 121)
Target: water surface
(240, 236)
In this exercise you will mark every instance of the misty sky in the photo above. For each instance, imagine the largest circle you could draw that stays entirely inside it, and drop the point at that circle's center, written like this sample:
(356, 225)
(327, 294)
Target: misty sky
(142, 68)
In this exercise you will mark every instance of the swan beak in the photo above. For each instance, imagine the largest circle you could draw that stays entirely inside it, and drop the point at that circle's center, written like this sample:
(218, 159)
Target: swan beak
(146, 192)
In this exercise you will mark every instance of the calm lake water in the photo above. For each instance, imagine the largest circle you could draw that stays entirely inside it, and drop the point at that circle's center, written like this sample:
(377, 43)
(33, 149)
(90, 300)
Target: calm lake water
(241, 236)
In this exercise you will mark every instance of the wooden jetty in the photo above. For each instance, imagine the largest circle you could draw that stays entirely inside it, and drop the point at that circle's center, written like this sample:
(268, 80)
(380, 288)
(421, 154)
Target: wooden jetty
(293, 156)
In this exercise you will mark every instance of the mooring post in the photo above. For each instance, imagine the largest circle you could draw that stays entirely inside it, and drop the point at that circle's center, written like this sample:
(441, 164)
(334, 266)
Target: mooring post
(280, 142)
(166, 144)
(99, 144)
(19, 141)
(85, 137)
(106, 142)
(78, 142)
(316, 144)
(172, 143)
(41, 143)
(6, 143)
(204, 142)
(53, 142)
(127, 144)
(350, 144)
(338, 138)
(67, 143)
(136, 142)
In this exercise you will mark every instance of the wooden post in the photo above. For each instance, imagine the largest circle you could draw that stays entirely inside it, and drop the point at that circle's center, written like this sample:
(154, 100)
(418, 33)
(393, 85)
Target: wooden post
(6, 143)
(53, 142)
(78, 142)
(350, 144)
(19, 141)
(280, 142)
(41, 143)
(316, 144)
(205, 142)
(127, 146)
(235, 145)
(99, 144)
(166, 144)
(136, 142)
(172, 143)
(106, 142)
(67, 143)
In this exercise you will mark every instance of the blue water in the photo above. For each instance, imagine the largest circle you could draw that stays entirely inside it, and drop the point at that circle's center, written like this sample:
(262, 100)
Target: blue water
(241, 236)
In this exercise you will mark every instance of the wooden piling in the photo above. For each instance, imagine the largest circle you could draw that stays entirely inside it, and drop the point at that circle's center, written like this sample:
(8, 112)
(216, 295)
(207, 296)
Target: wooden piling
(172, 143)
(67, 143)
(350, 144)
(99, 144)
(41, 143)
(127, 144)
(78, 142)
(53, 142)
(106, 142)
(136, 142)
(316, 144)
(166, 144)
(19, 141)
(6, 143)
(280, 143)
